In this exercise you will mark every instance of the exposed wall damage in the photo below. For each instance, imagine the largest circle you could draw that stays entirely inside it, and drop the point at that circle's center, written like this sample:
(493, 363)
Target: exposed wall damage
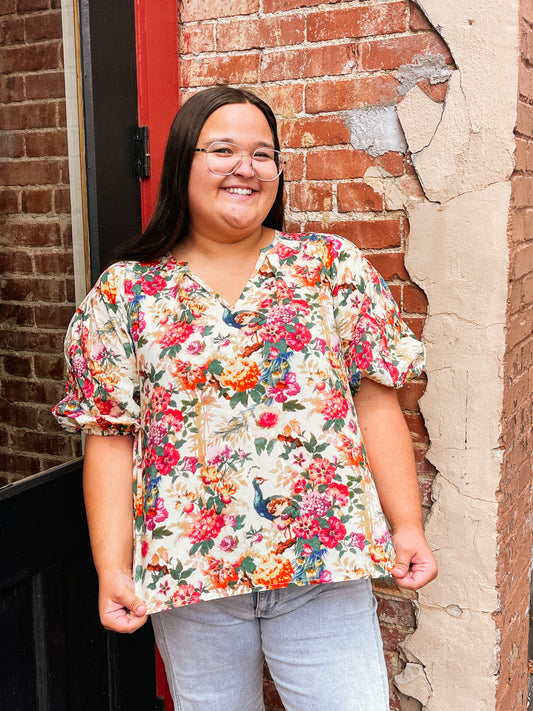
(462, 152)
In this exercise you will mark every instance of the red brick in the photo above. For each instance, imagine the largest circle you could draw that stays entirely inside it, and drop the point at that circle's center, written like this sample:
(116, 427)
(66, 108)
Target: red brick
(45, 26)
(256, 34)
(55, 315)
(49, 366)
(331, 59)
(29, 172)
(365, 234)
(11, 31)
(410, 394)
(37, 200)
(12, 88)
(36, 341)
(11, 145)
(238, 68)
(417, 19)
(414, 299)
(30, 58)
(63, 165)
(436, 92)
(196, 38)
(358, 197)
(276, 5)
(346, 94)
(285, 100)
(41, 442)
(319, 131)
(32, 234)
(394, 611)
(362, 21)
(310, 197)
(17, 315)
(33, 289)
(8, 7)
(294, 167)
(31, 5)
(389, 264)
(524, 121)
(20, 116)
(344, 163)
(47, 143)
(8, 201)
(416, 325)
(49, 85)
(62, 200)
(49, 263)
(18, 365)
(393, 52)
(193, 10)
(15, 261)
(20, 463)
(61, 113)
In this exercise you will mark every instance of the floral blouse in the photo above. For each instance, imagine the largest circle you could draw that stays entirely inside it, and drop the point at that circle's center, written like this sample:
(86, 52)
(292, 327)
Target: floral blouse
(249, 469)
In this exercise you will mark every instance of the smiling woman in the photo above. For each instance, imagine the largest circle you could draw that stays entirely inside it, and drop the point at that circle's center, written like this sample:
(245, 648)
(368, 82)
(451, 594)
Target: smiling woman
(236, 369)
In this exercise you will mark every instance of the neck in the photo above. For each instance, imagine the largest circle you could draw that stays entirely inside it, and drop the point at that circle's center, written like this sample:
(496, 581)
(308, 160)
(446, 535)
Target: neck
(213, 249)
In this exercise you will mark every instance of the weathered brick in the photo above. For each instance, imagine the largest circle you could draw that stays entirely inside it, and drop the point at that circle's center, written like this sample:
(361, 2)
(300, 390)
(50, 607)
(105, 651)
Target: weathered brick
(37, 200)
(256, 34)
(33, 289)
(14, 262)
(11, 31)
(30, 57)
(55, 315)
(311, 197)
(410, 394)
(220, 70)
(46, 143)
(197, 37)
(286, 100)
(315, 131)
(17, 315)
(31, 234)
(417, 20)
(12, 88)
(8, 7)
(276, 5)
(8, 201)
(309, 62)
(31, 5)
(49, 366)
(22, 115)
(414, 299)
(49, 263)
(358, 197)
(43, 26)
(29, 172)
(11, 145)
(351, 93)
(389, 264)
(193, 10)
(436, 92)
(365, 234)
(391, 53)
(20, 463)
(362, 21)
(45, 85)
(18, 365)
(343, 163)
(34, 341)
(62, 200)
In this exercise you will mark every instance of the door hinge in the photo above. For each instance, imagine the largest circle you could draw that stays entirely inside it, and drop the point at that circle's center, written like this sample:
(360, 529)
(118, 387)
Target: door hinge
(159, 704)
(141, 146)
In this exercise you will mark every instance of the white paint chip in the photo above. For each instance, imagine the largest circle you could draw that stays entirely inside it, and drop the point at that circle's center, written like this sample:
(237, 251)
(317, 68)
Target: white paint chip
(375, 129)
(419, 117)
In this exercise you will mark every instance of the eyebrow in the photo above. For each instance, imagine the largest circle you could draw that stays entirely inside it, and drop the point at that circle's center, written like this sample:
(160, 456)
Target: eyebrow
(259, 144)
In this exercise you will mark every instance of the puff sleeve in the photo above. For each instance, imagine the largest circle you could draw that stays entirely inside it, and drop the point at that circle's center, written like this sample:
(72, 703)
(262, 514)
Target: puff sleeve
(376, 343)
(102, 389)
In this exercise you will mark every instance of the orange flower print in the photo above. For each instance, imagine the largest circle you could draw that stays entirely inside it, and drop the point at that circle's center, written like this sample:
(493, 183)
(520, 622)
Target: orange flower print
(221, 572)
(109, 288)
(189, 375)
(186, 595)
(241, 374)
(335, 406)
(273, 571)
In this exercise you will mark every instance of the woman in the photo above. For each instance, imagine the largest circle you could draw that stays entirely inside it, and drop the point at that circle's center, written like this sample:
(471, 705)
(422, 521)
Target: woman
(220, 357)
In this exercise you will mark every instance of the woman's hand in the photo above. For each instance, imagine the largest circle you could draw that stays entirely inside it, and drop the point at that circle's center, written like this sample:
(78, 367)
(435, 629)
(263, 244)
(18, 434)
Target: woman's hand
(120, 609)
(415, 564)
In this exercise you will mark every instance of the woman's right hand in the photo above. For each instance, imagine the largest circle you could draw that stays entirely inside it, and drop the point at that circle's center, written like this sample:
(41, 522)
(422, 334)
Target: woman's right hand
(120, 609)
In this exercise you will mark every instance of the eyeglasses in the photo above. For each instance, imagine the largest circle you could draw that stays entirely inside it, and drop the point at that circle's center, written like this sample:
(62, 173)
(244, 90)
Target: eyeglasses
(224, 159)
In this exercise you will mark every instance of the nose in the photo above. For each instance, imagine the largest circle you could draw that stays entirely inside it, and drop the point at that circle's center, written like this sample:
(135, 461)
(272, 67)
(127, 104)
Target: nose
(245, 167)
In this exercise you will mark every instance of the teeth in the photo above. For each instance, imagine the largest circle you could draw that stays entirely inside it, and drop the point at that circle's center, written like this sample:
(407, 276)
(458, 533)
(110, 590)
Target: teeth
(240, 191)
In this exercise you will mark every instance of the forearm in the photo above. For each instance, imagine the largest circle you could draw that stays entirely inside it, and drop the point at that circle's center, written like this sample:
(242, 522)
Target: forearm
(390, 454)
(107, 487)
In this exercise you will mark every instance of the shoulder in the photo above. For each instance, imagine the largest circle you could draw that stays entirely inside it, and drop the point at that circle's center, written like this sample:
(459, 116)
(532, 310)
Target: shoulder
(331, 250)
(117, 282)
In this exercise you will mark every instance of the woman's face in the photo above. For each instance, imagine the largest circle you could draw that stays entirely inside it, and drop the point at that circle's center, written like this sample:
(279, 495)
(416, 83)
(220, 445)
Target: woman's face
(228, 208)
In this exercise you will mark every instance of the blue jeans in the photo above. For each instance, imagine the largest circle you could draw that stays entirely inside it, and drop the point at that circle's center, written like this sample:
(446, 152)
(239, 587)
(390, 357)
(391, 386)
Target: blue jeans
(322, 645)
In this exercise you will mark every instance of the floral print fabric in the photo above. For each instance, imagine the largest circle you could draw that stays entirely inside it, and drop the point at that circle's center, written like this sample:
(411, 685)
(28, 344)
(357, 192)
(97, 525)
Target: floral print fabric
(249, 469)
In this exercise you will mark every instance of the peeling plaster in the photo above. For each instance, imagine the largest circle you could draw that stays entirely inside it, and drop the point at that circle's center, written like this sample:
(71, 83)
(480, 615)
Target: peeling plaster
(375, 129)
(432, 67)
(458, 254)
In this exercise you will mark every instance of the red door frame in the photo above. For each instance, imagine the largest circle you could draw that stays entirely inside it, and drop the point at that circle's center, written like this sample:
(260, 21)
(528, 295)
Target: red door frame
(158, 82)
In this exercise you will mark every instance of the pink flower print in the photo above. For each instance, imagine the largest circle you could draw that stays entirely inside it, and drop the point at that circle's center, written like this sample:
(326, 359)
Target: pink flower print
(284, 251)
(393, 371)
(325, 576)
(229, 520)
(137, 327)
(305, 527)
(156, 433)
(88, 388)
(156, 284)
(173, 418)
(271, 333)
(195, 347)
(177, 333)
(228, 543)
(320, 345)
(281, 314)
(257, 538)
(314, 504)
(160, 398)
(190, 464)
(335, 406)
(331, 536)
(267, 419)
(358, 540)
(284, 388)
(144, 549)
(156, 514)
(206, 525)
(299, 338)
(169, 460)
(98, 351)
(339, 492)
(299, 486)
(364, 359)
(80, 365)
(186, 595)
(321, 471)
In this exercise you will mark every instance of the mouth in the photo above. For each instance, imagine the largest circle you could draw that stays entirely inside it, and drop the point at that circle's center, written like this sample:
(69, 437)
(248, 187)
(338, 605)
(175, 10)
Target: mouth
(239, 191)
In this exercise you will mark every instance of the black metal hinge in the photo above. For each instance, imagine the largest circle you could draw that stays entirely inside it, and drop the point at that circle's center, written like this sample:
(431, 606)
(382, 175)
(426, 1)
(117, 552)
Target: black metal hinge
(141, 146)
(159, 704)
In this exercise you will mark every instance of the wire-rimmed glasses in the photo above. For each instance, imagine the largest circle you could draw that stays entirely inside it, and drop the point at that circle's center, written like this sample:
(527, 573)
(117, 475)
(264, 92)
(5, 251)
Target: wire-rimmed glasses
(224, 159)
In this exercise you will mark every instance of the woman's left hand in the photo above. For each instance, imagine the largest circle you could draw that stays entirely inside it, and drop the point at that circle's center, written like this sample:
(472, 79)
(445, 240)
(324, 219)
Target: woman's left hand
(415, 564)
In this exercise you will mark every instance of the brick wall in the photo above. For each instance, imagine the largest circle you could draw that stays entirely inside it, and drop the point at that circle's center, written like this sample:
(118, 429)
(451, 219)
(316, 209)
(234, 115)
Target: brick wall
(515, 503)
(313, 60)
(36, 287)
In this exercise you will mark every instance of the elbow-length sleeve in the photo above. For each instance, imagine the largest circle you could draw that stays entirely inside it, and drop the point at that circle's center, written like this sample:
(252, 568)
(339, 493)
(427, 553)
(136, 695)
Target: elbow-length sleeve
(376, 342)
(102, 389)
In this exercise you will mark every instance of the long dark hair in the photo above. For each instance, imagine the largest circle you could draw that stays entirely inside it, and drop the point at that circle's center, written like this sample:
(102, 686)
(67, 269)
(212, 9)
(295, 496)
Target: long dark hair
(169, 222)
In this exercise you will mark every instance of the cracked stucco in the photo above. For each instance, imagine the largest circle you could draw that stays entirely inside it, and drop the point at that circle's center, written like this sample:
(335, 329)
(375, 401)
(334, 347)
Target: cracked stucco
(458, 254)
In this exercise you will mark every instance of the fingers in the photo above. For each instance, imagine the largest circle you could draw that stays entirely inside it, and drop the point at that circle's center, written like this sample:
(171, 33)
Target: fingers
(415, 564)
(120, 609)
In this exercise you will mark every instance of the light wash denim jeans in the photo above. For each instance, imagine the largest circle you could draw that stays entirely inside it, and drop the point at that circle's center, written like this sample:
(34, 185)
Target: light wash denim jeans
(322, 644)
